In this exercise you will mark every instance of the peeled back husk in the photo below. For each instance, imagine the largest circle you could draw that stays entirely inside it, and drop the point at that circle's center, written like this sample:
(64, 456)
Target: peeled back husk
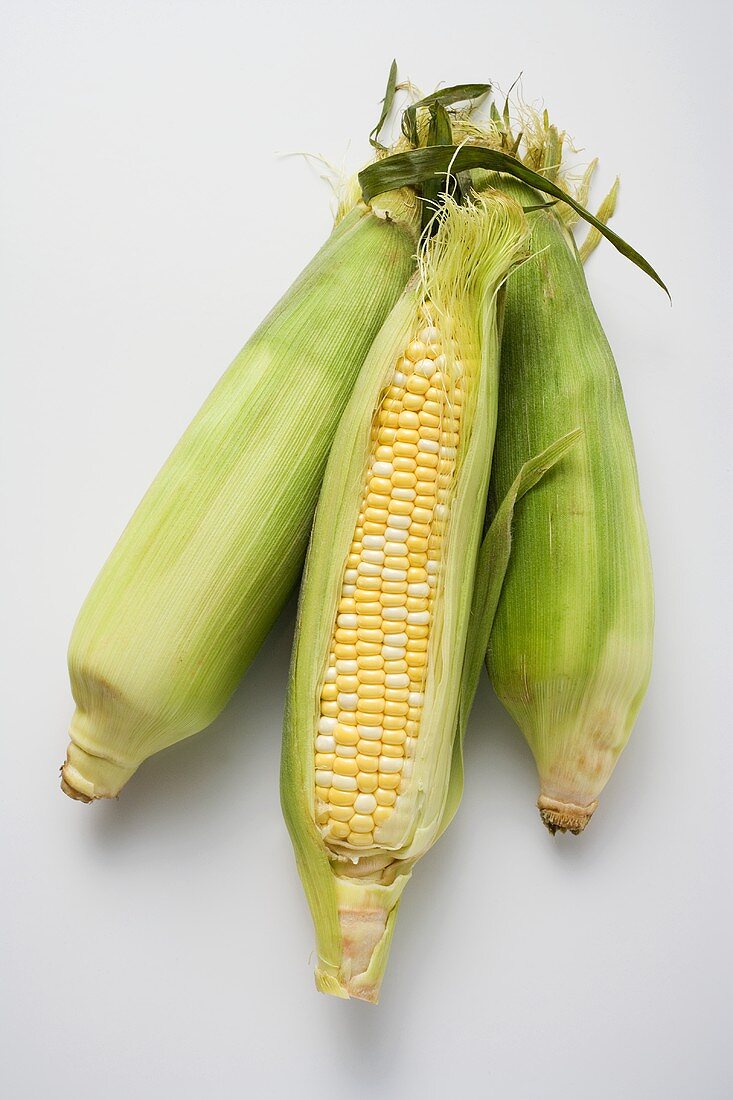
(571, 646)
(209, 557)
(354, 871)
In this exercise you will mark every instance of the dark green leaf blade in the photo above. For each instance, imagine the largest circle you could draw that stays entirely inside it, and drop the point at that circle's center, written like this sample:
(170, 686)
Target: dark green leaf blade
(414, 167)
(386, 106)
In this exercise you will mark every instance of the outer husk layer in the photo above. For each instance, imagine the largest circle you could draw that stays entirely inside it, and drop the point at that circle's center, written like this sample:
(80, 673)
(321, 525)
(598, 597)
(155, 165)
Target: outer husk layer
(571, 647)
(354, 900)
(209, 557)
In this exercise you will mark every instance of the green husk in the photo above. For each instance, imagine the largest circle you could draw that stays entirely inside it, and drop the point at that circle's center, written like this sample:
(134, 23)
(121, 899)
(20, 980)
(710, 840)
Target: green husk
(354, 897)
(571, 645)
(209, 557)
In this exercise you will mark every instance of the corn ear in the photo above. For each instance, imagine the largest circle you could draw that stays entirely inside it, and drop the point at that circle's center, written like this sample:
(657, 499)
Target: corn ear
(571, 646)
(212, 552)
(365, 786)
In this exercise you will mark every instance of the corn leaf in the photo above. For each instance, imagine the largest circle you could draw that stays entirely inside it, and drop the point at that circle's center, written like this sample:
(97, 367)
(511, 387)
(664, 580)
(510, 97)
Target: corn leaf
(386, 107)
(418, 165)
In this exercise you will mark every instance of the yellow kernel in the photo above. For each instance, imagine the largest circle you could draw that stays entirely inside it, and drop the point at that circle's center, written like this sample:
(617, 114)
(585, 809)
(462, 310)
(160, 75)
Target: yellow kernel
(345, 637)
(347, 606)
(394, 721)
(393, 587)
(369, 644)
(400, 507)
(408, 432)
(393, 668)
(345, 735)
(373, 527)
(388, 419)
(367, 764)
(369, 622)
(417, 384)
(413, 402)
(342, 798)
(402, 479)
(417, 630)
(377, 500)
(416, 544)
(322, 793)
(324, 760)
(330, 709)
(347, 718)
(388, 781)
(415, 351)
(395, 563)
(392, 708)
(339, 829)
(405, 450)
(425, 459)
(416, 660)
(386, 435)
(372, 705)
(368, 748)
(367, 782)
(365, 718)
(346, 683)
(380, 485)
(371, 675)
(368, 604)
(385, 797)
(360, 840)
(393, 599)
(418, 561)
(416, 576)
(396, 695)
(345, 766)
(417, 645)
(404, 463)
(394, 737)
(361, 823)
(377, 515)
(368, 584)
(341, 813)
(420, 530)
(381, 814)
(371, 662)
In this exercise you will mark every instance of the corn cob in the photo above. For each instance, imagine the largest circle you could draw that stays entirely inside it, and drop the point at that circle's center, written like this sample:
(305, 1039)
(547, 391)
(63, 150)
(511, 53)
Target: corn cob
(368, 754)
(571, 646)
(209, 557)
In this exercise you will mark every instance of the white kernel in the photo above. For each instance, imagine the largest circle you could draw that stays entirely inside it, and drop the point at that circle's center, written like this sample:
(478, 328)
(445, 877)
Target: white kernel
(325, 744)
(422, 589)
(342, 783)
(396, 680)
(349, 668)
(425, 367)
(398, 378)
(395, 614)
(348, 622)
(394, 550)
(429, 335)
(324, 779)
(432, 580)
(403, 522)
(415, 698)
(376, 557)
(325, 724)
(418, 618)
(373, 542)
(348, 589)
(440, 363)
(369, 733)
(395, 534)
(347, 700)
(365, 804)
(383, 469)
(392, 652)
(369, 569)
(402, 494)
(448, 452)
(330, 677)
(346, 751)
(386, 764)
(394, 574)
(433, 566)
(441, 511)
(428, 446)
(398, 639)
(350, 576)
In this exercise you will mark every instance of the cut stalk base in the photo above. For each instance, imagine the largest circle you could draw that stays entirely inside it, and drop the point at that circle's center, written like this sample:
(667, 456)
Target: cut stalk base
(564, 817)
(86, 777)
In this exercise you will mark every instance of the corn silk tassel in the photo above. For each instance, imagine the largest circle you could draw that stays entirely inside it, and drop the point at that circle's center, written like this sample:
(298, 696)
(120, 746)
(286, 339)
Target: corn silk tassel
(208, 559)
(571, 646)
(371, 767)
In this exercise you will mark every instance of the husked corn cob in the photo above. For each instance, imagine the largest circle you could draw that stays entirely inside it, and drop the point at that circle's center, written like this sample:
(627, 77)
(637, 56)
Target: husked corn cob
(212, 552)
(370, 731)
(571, 647)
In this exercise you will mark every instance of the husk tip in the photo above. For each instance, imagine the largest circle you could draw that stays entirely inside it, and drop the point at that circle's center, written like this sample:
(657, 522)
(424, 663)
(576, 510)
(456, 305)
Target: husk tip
(564, 817)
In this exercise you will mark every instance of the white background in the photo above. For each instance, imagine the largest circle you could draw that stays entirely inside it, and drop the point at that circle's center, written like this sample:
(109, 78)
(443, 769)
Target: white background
(158, 946)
